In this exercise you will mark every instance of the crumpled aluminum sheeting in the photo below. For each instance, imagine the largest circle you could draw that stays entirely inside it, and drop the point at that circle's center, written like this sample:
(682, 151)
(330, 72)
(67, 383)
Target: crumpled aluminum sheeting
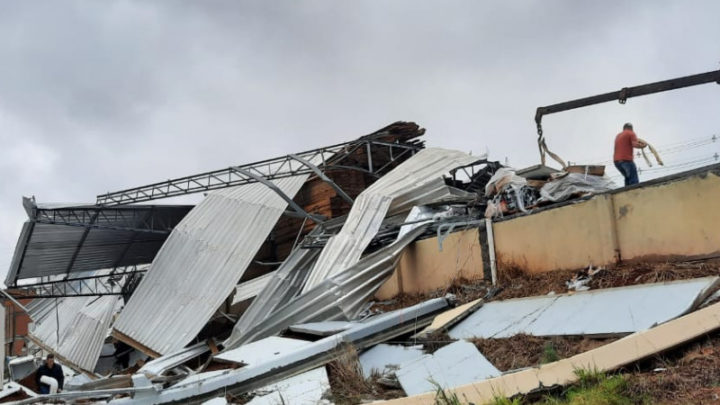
(340, 297)
(414, 182)
(200, 264)
(202, 386)
(286, 283)
(157, 367)
(251, 288)
(80, 324)
(562, 188)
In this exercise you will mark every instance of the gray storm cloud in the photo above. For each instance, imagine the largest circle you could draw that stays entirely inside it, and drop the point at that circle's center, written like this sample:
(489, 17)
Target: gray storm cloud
(96, 96)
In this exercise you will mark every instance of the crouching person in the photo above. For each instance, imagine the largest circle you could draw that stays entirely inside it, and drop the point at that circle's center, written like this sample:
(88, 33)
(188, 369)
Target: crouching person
(49, 377)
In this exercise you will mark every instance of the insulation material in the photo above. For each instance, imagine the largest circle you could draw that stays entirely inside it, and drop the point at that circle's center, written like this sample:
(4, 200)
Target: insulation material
(200, 264)
(385, 359)
(456, 364)
(414, 182)
(605, 358)
(303, 389)
(620, 310)
(76, 329)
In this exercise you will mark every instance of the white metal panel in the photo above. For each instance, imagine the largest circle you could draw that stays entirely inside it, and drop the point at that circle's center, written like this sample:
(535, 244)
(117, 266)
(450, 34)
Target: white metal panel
(597, 312)
(454, 365)
(262, 350)
(200, 264)
(384, 358)
(414, 182)
(303, 389)
(326, 328)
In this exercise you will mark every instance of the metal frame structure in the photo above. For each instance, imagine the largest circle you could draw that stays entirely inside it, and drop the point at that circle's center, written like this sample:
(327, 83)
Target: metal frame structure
(110, 212)
(333, 157)
(621, 95)
(143, 223)
(120, 281)
(94, 217)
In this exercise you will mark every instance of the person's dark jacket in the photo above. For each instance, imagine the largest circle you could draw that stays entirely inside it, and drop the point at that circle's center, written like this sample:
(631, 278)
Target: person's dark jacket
(55, 372)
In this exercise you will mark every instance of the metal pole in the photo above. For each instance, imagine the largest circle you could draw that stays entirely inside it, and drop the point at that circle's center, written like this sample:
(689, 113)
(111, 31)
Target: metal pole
(491, 250)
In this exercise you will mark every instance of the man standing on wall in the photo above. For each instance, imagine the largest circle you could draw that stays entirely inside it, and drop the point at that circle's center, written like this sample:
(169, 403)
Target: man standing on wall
(625, 141)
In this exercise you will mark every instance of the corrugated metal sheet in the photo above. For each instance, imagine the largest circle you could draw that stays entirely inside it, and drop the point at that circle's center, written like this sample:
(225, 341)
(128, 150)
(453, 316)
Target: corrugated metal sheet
(200, 264)
(210, 384)
(80, 324)
(251, 288)
(45, 249)
(414, 182)
(597, 312)
(287, 281)
(340, 297)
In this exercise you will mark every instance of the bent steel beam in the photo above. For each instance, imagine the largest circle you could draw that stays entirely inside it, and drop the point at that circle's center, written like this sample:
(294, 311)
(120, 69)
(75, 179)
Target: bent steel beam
(269, 184)
(323, 177)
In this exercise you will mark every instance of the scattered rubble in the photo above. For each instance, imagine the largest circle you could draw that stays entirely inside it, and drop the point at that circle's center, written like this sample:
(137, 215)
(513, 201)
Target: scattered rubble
(265, 291)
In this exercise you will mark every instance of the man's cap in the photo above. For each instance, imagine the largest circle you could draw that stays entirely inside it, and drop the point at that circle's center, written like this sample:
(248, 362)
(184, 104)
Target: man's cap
(627, 125)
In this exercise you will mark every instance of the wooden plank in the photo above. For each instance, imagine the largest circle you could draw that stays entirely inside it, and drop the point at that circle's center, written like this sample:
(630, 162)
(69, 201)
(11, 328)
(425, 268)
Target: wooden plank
(135, 344)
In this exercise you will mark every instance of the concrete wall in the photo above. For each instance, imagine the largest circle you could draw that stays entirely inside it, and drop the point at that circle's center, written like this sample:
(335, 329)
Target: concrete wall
(569, 237)
(675, 219)
(424, 268)
(669, 220)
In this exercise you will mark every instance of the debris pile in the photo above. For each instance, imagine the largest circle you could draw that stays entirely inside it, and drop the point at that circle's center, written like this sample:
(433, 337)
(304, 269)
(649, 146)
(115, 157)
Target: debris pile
(512, 194)
(265, 292)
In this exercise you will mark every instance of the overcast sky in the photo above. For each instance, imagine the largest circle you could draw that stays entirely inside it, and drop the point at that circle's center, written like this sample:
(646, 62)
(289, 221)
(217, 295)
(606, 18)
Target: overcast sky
(99, 96)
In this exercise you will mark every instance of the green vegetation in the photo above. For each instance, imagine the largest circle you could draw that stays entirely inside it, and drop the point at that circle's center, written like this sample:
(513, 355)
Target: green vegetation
(443, 397)
(595, 388)
(592, 388)
(549, 354)
(506, 401)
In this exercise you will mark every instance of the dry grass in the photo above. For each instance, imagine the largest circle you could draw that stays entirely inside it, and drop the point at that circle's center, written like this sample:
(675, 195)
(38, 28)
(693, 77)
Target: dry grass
(528, 351)
(690, 374)
(517, 284)
(349, 386)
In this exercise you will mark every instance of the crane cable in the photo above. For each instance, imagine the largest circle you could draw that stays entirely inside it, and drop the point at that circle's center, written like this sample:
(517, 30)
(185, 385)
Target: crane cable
(544, 149)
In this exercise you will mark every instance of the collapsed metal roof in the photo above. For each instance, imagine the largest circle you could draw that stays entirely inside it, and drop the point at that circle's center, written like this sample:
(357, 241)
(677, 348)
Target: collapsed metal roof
(414, 182)
(207, 252)
(70, 239)
(75, 329)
